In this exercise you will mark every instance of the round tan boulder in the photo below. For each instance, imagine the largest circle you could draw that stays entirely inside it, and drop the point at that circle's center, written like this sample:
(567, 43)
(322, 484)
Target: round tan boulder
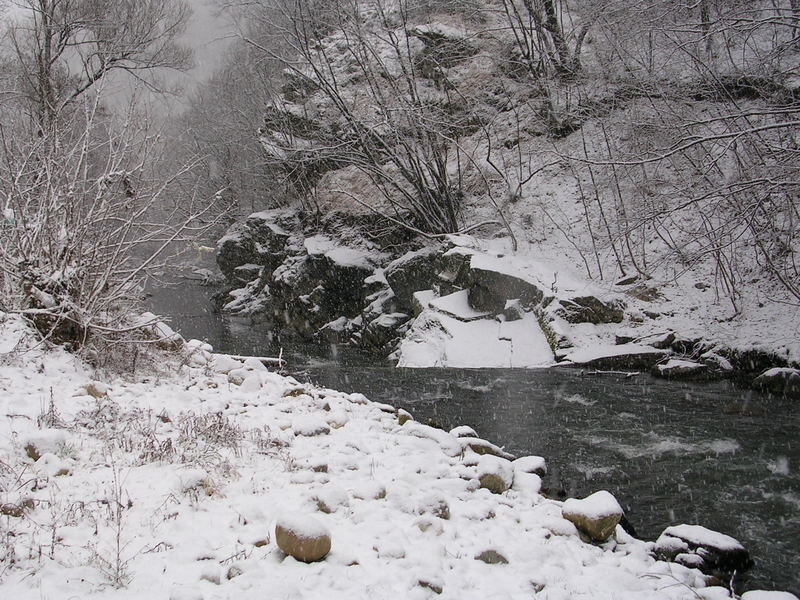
(495, 473)
(303, 538)
(595, 516)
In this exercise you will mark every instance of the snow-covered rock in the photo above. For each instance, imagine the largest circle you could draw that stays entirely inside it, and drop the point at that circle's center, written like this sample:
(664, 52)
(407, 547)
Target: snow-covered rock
(531, 464)
(615, 356)
(596, 516)
(495, 474)
(464, 431)
(779, 380)
(480, 446)
(310, 425)
(719, 553)
(675, 367)
(302, 537)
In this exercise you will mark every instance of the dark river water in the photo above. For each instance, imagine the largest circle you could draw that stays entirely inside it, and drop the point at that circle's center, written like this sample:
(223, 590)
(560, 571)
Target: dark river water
(671, 452)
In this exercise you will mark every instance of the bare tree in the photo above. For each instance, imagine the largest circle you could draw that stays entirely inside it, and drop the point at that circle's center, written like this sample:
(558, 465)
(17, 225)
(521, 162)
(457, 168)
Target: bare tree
(88, 209)
(65, 47)
(400, 128)
(85, 222)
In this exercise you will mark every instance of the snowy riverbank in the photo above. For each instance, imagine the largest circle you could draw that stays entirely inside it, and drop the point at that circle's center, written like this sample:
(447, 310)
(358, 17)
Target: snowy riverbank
(171, 485)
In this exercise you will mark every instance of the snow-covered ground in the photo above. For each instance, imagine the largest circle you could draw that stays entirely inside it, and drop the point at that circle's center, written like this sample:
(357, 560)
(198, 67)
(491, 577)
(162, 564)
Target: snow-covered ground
(169, 486)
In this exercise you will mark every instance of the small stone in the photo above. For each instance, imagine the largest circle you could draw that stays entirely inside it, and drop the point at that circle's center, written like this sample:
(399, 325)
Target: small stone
(369, 490)
(463, 431)
(237, 376)
(12, 510)
(492, 557)
(330, 498)
(233, 571)
(425, 524)
(211, 573)
(596, 516)
(403, 416)
(32, 452)
(96, 389)
(495, 474)
(303, 538)
(435, 586)
(436, 505)
(310, 425)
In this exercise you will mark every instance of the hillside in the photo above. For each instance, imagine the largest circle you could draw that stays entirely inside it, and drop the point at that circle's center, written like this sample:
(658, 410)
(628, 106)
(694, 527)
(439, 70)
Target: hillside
(661, 174)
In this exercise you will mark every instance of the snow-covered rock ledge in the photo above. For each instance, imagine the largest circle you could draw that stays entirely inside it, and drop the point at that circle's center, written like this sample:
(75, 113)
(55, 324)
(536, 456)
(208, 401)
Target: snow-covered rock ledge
(469, 302)
(172, 486)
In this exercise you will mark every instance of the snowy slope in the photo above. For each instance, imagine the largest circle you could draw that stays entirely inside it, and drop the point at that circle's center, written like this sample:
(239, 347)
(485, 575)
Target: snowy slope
(169, 487)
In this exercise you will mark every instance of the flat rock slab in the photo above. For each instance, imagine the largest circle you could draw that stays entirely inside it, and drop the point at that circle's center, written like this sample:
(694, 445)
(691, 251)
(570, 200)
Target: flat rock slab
(677, 368)
(438, 340)
(720, 553)
(629, 356)
(457, 305)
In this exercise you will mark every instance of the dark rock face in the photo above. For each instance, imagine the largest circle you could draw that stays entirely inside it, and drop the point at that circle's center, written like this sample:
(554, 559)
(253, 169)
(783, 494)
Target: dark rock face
(383, 333)
(589, 309)
(489, 290)
(310, 291)
(412, 272)
(261, 240)
(712, 552)
(783, 381)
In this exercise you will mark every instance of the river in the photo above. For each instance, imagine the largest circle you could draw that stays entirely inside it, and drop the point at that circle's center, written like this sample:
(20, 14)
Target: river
(671, 452)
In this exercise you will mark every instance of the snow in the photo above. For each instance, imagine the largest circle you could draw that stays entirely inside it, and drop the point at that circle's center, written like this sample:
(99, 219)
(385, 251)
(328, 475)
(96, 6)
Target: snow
(700, 536)
(595, 506)
(530, 464)
(438, 340)
(303, 526)
(322, 245)
(197, 491)
(457, 305)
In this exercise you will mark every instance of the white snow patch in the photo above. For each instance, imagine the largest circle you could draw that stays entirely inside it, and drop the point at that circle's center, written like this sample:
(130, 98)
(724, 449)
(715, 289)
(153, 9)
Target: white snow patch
(700, 536)
(595, 506)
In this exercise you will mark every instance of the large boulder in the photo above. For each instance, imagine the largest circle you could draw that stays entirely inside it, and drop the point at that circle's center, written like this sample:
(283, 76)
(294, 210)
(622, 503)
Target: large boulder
(303, 538)
(591, 309)
(382, 334)
(712, 552)
(412, 272)
(490, 289)
(595, 516)
(310, 291)
(260, 241)
(779, 380)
